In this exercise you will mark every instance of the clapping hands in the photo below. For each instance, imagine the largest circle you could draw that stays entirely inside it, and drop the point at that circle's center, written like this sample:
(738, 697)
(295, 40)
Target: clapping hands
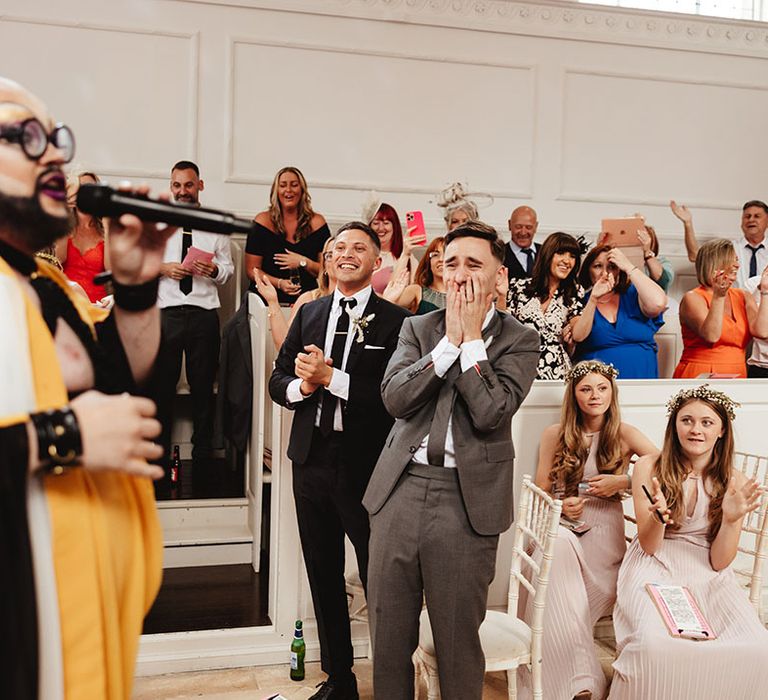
(740, 500)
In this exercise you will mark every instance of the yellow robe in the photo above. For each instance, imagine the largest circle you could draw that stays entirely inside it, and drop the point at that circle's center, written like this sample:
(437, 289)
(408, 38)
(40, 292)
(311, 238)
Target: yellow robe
(105, 536)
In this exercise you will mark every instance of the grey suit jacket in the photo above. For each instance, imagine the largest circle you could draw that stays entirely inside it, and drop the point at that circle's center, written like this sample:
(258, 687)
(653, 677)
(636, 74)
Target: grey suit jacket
(486, 400)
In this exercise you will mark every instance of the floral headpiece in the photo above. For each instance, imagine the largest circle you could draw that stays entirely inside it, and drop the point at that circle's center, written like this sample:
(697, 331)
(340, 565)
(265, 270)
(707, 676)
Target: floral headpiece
(705, 393)
(582, 369)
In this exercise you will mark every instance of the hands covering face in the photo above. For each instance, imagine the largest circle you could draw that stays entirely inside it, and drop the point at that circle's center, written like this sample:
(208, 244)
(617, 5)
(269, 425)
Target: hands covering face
(466, 308)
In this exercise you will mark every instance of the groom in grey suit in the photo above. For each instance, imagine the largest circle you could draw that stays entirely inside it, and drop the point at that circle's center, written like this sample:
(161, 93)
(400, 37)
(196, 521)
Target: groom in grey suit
(441, 492)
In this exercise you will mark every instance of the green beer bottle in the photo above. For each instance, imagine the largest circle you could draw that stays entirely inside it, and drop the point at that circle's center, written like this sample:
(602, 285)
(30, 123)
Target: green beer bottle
(298, 649)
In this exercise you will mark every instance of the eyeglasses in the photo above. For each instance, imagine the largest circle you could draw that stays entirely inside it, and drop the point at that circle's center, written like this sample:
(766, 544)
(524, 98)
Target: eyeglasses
(33, 138)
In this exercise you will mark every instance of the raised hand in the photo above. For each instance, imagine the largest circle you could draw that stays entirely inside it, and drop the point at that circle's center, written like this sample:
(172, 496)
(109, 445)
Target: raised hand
(396, 286)
(453, 328)
(603, 286)
(659, 503)
(738, 501)
(763, 286)
(645, 240)
(722, 281)
(265, 286)
(617, 257)
(681, 212)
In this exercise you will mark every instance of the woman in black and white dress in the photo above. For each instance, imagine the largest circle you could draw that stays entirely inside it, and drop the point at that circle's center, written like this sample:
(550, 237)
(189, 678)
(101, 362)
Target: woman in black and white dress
(551, 302)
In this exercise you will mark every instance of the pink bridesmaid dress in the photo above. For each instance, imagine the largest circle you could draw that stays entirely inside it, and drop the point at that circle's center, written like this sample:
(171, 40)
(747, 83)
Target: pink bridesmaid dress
(652, 663)
(582, 589)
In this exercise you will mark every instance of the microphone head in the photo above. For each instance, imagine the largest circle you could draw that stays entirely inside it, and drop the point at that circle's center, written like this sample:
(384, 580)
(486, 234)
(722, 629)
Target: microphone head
(94, 199)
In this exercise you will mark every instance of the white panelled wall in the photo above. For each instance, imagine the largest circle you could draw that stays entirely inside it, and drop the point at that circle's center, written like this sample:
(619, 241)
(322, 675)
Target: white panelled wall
(582, 112)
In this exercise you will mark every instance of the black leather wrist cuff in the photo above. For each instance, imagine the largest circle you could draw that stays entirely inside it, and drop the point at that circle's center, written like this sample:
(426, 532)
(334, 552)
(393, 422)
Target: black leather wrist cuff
(59, 443)
(136, 297)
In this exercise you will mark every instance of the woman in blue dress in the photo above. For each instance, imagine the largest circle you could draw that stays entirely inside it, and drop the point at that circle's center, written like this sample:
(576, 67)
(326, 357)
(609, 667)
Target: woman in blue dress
(626, 307)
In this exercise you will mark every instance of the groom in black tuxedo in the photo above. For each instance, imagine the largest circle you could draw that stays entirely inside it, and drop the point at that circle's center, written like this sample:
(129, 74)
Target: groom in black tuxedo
(329, 370)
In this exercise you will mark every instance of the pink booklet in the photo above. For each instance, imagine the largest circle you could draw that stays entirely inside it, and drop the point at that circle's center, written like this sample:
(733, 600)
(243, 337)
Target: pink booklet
(680, 612)
(195, 254)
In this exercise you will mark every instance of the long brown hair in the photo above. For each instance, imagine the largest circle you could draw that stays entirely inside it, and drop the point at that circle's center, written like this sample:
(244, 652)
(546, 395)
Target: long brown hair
(305, 211)
(424, 276)
(671, 470)
(557, 242)
(585, 279)
(571, 453)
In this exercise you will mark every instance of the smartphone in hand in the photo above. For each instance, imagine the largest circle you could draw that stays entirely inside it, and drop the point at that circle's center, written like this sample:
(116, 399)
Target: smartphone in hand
(414, 224)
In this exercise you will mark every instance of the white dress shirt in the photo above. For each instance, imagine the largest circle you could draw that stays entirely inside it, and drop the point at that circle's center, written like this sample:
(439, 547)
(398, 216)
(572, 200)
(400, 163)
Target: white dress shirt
(204, 289)
(339, 384)
(443, 357)
(520, 255)
(744, 255)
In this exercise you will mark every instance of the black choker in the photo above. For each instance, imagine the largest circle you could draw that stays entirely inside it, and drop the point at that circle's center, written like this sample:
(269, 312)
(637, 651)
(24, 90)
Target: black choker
(21, 262)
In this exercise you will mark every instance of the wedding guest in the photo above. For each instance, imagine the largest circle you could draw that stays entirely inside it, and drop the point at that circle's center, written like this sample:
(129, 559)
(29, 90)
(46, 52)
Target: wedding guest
(82, 252)
(702, 501)
(459, 213)
(717, 320)
(757, 364)
(751, 247)
(326, 283)
(288, 238)
(626, 313)
(551, 302)
(520, 253)
(428, 294)
(395, 249)
(583, 460)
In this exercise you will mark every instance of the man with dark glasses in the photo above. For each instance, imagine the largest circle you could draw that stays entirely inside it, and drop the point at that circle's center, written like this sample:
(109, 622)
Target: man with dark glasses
(80, 545)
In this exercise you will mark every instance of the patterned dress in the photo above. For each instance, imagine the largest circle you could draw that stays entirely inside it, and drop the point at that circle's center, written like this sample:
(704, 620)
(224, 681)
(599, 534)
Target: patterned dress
(554, 360)
(652, 663)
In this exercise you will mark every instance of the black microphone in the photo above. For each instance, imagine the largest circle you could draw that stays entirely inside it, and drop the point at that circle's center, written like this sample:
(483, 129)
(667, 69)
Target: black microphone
(103, 200)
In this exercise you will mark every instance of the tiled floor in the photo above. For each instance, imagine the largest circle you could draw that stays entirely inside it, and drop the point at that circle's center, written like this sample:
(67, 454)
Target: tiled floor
(264, 681)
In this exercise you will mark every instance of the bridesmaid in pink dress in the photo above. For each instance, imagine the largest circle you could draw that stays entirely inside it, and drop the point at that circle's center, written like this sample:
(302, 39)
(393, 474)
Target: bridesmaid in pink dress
(592, 445)
(703, 501)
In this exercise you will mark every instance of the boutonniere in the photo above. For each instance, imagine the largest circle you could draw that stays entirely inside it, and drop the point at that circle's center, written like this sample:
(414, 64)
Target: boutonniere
(360, 323)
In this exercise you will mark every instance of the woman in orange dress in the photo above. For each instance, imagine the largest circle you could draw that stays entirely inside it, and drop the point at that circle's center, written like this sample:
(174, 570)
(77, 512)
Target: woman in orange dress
(718, 321)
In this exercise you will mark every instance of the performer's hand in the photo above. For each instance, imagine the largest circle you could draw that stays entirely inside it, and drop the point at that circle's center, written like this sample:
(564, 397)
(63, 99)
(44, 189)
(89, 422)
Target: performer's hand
(174, 271)
(312, 366)
(474, 307)
(136, 247)
(453, 328)
(117, 432)
(573, 507)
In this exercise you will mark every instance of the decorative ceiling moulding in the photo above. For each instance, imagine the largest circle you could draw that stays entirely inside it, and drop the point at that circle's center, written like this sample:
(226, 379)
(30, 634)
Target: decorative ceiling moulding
(562, 20)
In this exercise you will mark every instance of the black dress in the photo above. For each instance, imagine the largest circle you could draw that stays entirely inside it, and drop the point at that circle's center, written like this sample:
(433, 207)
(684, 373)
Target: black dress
(263, 242)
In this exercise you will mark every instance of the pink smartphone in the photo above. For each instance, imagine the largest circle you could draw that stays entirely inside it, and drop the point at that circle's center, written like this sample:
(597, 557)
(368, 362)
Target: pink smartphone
(414, 224)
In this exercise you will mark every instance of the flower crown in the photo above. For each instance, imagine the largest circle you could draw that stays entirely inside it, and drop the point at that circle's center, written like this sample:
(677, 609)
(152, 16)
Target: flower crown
(582, 369)
(705, 393)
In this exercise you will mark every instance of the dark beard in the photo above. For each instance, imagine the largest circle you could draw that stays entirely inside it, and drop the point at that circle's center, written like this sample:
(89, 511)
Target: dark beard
(29, 225)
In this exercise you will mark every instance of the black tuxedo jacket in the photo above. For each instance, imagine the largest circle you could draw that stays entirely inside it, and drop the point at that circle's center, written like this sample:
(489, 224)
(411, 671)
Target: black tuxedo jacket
(514, 268)
(366, 421)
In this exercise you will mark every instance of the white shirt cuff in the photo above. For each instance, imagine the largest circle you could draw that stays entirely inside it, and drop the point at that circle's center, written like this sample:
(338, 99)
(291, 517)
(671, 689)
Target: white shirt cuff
(293, 392)
(472, 352)
(444, 355)
(339, 384)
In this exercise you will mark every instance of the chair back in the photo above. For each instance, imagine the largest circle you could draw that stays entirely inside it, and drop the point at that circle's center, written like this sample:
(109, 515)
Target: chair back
(753, 541)
(538, 517)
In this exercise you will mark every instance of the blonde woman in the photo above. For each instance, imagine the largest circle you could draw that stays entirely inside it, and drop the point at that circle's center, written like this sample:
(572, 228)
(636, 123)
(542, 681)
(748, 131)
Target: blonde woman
(288, 238)
(326, 283)
(583, 459)
(702, 501)
(716, 319)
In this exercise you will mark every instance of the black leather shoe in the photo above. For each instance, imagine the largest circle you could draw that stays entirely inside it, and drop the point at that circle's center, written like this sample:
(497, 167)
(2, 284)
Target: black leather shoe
(333, 690)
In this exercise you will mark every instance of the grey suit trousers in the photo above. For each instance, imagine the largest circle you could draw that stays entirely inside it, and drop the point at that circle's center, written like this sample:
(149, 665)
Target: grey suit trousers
(421, 540)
